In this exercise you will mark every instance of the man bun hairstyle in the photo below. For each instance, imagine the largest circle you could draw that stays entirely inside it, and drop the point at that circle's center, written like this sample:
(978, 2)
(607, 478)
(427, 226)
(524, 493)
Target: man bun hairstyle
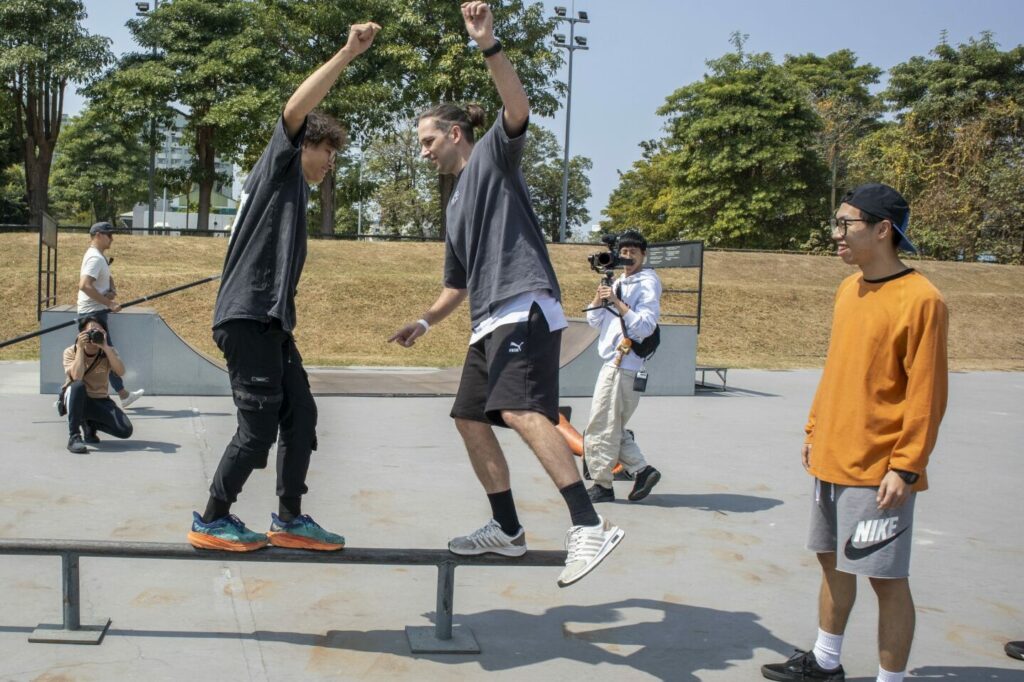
(447, 115)
(321, 127)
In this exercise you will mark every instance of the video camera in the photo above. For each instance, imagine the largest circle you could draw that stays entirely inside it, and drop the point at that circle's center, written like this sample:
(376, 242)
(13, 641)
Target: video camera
(606, 261)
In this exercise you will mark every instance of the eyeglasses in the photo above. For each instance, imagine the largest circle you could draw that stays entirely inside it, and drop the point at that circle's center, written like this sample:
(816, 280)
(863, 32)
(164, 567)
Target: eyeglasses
(843, 224)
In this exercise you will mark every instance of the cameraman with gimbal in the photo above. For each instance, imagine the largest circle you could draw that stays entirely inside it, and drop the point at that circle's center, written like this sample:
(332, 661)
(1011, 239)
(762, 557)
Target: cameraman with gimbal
(626, 311)
(88, 364)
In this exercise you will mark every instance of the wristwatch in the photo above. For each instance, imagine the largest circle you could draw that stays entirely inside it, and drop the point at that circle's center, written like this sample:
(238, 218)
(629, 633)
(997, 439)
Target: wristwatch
(909, 477)
(492, 50)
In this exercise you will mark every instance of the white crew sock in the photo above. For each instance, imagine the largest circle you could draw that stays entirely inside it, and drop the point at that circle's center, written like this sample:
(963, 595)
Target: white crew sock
(886, 676)
(827, 649)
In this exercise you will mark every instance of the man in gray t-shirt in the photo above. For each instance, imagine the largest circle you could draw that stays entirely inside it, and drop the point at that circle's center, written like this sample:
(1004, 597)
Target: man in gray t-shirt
(495, 254)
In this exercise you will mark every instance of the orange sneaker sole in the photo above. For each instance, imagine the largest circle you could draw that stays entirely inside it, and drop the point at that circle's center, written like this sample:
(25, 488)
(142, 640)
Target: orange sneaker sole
(282, 539)
(204, 541)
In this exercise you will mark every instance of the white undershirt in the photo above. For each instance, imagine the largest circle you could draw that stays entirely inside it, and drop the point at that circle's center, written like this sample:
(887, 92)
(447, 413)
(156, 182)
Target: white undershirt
(517, 309)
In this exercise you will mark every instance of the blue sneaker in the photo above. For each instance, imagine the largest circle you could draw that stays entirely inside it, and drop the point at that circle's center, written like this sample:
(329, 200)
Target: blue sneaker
(228, 533)
(302, 533)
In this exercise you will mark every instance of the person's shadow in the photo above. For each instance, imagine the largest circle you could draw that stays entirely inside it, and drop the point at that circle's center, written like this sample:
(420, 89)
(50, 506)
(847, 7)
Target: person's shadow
(713, 502)
(110, 444)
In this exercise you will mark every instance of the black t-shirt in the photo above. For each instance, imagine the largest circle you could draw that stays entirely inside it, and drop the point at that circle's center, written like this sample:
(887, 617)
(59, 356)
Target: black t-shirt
(494, 246)
(268, 242)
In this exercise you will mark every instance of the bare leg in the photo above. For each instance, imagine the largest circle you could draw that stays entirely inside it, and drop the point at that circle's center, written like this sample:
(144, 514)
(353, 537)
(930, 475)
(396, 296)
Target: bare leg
(838, 592)
(896, 619)
(485, 454)
(547, 444)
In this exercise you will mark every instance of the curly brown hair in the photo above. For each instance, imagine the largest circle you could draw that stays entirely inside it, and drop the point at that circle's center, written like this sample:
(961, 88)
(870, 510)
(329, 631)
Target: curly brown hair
(321, 127)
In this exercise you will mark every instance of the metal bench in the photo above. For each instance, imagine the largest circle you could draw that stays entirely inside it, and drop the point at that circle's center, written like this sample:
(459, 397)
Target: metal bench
(719, 371)
(442, 638)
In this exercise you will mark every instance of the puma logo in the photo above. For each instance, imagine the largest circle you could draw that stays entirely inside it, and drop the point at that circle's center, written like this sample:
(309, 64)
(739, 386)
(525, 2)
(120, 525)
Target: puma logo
(514, 347)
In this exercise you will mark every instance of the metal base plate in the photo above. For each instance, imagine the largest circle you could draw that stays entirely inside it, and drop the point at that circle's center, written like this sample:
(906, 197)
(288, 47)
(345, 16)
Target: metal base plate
(56, 634)
(423, 640)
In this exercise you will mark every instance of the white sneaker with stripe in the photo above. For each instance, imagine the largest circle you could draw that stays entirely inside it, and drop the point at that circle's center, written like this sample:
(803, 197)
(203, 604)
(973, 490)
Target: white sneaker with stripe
(586, 547)
(490, 538)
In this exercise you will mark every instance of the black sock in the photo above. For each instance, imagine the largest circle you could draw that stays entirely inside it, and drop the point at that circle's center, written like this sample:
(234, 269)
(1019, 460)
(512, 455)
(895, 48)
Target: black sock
(503, 509)
(288, 508)
(216, 509)
(580, 507)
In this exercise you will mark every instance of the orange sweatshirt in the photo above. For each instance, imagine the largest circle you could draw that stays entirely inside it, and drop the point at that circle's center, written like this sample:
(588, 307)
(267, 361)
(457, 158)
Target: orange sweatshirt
(883, 391)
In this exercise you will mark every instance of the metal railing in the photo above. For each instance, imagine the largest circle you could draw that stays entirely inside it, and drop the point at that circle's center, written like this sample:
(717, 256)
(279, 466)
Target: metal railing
(442, 638)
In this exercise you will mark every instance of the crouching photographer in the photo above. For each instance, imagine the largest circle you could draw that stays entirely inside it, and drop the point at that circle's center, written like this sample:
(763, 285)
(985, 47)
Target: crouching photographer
(84, 398)
(626, 310)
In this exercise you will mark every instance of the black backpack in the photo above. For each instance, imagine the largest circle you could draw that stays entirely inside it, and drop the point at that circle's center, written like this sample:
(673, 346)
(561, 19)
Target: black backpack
(644, 348)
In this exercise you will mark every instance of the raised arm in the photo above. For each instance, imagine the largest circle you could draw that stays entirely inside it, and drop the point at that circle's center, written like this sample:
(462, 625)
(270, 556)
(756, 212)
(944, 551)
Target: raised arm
(480, 27)
(316, 86)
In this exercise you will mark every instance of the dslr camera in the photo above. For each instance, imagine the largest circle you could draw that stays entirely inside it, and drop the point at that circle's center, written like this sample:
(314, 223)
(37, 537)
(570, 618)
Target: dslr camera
(606, 261)
(96, 336)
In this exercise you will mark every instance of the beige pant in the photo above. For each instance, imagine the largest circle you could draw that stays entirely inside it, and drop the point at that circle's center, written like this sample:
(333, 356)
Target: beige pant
(606, 442)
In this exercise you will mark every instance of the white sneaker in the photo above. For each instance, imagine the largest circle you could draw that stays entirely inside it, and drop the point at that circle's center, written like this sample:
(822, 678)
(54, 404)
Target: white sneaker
(132, 397)
(586, 547)
(490, 538)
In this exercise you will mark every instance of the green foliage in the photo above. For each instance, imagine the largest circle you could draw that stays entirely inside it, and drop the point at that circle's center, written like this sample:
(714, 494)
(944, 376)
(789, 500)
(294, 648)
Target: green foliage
(13, 206)
(640, 201)
(96, 171)
(543, 168)
(43, 47)
(957, 150)
(739, 157)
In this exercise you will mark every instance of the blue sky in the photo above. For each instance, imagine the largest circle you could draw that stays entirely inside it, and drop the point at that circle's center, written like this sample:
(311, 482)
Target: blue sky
(642, 50)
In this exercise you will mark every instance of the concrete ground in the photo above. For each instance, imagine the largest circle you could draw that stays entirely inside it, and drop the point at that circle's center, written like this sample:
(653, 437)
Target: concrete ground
(710, 582)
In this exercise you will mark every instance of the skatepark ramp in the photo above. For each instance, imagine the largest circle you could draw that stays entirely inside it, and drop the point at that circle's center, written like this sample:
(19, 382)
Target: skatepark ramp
(155, 357)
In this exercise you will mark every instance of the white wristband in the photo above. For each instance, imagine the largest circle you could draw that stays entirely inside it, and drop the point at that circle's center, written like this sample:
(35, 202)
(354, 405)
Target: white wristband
(424, 324)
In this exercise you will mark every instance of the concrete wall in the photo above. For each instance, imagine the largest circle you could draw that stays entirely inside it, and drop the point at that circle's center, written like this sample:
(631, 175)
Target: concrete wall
(155, 358)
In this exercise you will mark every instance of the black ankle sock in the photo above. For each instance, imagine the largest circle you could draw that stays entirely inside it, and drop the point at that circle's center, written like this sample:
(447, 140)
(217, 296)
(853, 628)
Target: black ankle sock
(288, 508)
(580, 507)
(216, 509)
(503, 509)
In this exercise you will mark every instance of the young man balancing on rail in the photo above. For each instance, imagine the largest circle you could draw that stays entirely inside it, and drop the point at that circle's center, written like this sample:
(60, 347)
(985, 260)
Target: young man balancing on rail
(255, 315)
(872, 427)
(495, 254)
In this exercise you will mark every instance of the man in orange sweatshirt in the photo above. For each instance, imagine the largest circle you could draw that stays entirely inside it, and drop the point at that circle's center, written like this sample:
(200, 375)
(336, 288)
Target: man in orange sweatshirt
(872, 426)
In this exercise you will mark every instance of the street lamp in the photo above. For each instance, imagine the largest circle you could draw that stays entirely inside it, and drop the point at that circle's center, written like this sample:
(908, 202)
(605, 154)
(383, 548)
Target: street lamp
(574, 43)
(141, 10)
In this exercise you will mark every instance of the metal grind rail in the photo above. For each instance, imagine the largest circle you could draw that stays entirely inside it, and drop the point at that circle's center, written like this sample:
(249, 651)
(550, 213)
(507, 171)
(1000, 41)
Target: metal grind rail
(442, 638)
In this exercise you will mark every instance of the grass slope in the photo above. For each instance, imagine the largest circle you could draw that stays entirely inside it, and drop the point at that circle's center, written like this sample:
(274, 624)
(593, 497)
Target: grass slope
(760, 310)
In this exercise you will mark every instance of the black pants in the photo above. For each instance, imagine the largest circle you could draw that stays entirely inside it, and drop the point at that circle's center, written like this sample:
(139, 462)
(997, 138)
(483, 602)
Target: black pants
(116, 382)
(271, 391)
(102, 413)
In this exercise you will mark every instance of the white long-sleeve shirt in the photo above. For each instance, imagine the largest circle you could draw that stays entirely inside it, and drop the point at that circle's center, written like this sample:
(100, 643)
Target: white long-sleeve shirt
(640, 291)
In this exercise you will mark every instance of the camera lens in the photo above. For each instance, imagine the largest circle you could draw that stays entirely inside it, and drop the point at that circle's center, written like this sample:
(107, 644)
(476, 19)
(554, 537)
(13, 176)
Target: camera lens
(95, 336)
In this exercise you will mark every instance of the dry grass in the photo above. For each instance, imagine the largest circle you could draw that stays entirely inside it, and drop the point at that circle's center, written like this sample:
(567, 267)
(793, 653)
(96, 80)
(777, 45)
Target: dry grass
(760, 310)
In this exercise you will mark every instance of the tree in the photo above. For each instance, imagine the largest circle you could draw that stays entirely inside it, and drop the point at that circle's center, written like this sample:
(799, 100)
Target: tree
(43, 47)
(543, 169)
(96, 166)
(220, 60)
(738, 161)
(640, 202)
(957, 148)
(839, 91)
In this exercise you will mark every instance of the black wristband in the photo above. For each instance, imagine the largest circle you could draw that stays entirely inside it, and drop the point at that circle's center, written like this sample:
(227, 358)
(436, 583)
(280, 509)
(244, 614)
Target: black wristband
(909, 477)
(492, 50)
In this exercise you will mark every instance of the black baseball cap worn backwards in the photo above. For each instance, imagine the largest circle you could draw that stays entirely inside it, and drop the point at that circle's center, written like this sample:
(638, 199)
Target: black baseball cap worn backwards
(886, 203)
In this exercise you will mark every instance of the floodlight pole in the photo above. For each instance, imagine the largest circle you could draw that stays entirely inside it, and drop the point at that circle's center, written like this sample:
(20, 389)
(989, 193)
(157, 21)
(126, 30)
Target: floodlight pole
(571, 46)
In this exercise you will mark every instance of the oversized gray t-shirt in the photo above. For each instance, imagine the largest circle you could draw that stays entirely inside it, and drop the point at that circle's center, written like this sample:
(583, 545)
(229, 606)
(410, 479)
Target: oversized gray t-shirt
(494, 246)
(268, 241)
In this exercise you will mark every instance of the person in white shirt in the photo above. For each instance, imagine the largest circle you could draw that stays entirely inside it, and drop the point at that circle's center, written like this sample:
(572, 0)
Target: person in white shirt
(96, 294)
(632, 303)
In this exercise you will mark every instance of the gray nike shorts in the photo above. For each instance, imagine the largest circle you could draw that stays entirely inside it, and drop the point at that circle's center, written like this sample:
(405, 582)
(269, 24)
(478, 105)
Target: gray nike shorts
(867, 540)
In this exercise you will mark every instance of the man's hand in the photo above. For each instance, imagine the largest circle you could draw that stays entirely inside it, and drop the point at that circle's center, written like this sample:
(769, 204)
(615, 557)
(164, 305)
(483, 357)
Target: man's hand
(479, 23)
(892, 492)
(83, 338)
(360, 37)
(115, 307)
(805, 455)
(607, 294)
(407, 335)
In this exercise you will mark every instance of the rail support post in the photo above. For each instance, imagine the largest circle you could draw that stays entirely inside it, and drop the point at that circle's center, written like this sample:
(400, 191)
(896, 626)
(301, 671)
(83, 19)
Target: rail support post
(71, 631)
(443, 638)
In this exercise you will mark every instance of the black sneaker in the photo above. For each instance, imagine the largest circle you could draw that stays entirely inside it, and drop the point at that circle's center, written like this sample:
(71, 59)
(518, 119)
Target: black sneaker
(76, 445)
(598, 493)
(89, 433)
(645, 480)
(1015, 650)
(802, 666)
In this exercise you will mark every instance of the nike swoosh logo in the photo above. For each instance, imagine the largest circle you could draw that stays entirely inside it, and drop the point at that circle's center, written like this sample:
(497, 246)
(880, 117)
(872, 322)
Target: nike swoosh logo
(854, 553)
